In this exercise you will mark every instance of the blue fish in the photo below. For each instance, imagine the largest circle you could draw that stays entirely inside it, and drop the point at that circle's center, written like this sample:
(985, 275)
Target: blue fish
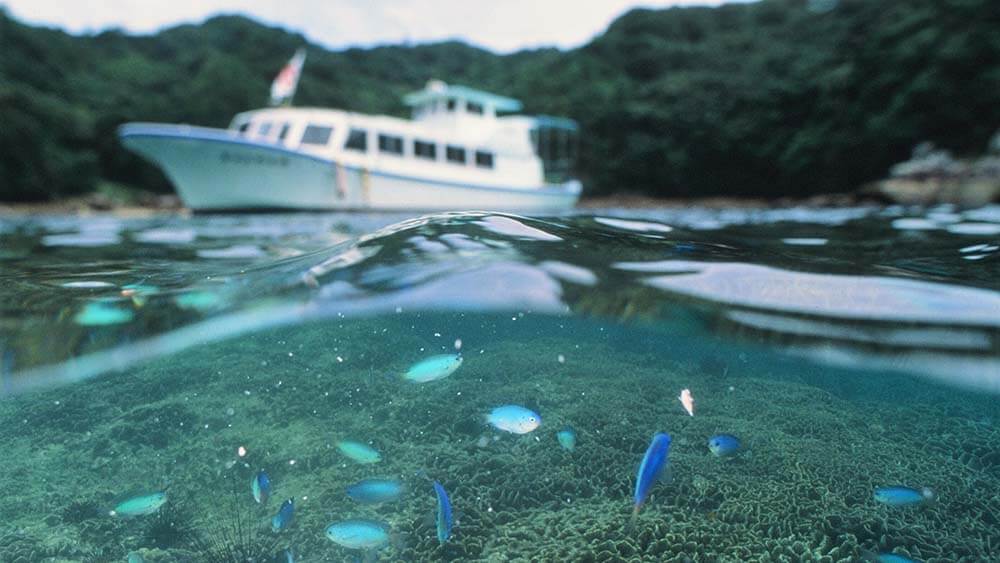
(359, 452)
(359, 534)
(651, 470)
(142, 505)
(443, 513)
(724, 445)
(567, 438)
(260, 486)
(903, 496)
(373, 491)
(885, 557)
(514, 418)
(283, 519)
(103, 313)
(435, 367)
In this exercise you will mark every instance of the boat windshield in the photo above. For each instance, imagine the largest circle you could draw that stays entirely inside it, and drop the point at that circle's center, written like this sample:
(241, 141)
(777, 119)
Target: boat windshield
(556, 142)
(240, 125)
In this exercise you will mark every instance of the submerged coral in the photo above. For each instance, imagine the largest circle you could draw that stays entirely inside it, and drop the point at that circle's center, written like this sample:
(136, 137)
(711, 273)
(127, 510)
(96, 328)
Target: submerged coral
(814, 449)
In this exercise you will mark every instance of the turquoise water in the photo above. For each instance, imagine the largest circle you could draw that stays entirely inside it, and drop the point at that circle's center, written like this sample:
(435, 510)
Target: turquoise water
(847, 350)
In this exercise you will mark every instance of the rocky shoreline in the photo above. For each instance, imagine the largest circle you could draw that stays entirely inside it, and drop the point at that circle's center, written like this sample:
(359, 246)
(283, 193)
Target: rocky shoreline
(934, 176)
(169, 204)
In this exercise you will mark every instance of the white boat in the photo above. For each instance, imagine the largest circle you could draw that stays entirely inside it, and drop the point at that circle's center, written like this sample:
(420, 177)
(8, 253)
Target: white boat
(456, 153)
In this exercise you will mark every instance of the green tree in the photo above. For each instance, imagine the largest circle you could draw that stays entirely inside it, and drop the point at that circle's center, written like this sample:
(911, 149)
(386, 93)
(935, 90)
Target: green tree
(765, 99)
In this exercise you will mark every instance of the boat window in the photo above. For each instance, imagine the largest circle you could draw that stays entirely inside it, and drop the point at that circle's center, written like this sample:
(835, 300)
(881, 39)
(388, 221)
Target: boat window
(425, 149)
(452, 103)
(316, 135)
(284, 131)
(474, 108)
(484, 159)
(264, 129)
(390, 144)
(357, 140)
(243, 128)
(455, 154)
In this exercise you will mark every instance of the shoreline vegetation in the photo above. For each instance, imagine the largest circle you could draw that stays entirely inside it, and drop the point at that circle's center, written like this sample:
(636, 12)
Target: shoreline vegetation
(777, 100)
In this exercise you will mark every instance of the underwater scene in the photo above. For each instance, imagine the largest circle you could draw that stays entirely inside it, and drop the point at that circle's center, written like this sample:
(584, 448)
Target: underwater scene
(611, 385)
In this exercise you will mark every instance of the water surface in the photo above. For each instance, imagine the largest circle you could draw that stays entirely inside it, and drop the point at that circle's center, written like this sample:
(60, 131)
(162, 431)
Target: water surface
(847, 349)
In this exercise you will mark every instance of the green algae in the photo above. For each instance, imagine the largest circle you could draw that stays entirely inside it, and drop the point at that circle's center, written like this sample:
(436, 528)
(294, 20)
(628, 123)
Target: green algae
(816, 447)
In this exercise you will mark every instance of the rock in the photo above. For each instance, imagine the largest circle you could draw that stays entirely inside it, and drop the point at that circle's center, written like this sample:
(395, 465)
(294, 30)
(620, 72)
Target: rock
(970, 192)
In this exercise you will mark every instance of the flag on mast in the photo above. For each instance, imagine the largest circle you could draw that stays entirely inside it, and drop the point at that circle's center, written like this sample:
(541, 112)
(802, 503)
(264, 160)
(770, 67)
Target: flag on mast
(283, 87)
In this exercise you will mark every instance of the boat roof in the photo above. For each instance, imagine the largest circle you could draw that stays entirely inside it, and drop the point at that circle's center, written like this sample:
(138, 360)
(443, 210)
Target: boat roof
(437, 90)
(554, 122)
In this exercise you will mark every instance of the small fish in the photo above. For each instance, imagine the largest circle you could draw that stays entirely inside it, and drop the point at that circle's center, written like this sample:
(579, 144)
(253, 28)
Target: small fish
(885, 557)
(198, 300)
(260, 486)
(435, 367)
(140, 506)
(443, 513)
(283, 519)
(361, 453)
(358, 534)
(687, 400)
(102, 313)
(654, 462)
(903, 496)
(567, 438)
(724, 445)
(513, 418)
(374, 491)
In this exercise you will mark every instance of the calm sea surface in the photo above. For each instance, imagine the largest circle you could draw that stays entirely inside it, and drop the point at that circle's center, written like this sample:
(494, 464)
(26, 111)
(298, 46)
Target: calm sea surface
(168, 384)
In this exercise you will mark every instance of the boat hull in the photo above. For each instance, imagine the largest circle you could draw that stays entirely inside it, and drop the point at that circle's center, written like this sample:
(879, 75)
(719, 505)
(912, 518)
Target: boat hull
(215, 170)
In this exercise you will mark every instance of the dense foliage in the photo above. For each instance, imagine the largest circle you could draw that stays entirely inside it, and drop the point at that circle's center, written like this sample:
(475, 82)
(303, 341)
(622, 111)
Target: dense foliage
(776, 98)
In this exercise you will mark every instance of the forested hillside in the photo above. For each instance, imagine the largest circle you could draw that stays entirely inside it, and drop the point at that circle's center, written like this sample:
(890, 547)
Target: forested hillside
(770, 99)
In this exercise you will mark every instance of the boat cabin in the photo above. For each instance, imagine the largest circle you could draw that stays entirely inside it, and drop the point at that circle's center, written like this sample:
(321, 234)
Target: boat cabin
(452, 106)
(456, 133)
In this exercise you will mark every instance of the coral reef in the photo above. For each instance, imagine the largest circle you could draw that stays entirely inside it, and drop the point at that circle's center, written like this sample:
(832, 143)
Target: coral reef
(816, 444)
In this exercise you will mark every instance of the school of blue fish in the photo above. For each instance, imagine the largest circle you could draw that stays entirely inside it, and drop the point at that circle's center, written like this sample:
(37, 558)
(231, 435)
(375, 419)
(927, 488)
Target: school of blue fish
(370, 535)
